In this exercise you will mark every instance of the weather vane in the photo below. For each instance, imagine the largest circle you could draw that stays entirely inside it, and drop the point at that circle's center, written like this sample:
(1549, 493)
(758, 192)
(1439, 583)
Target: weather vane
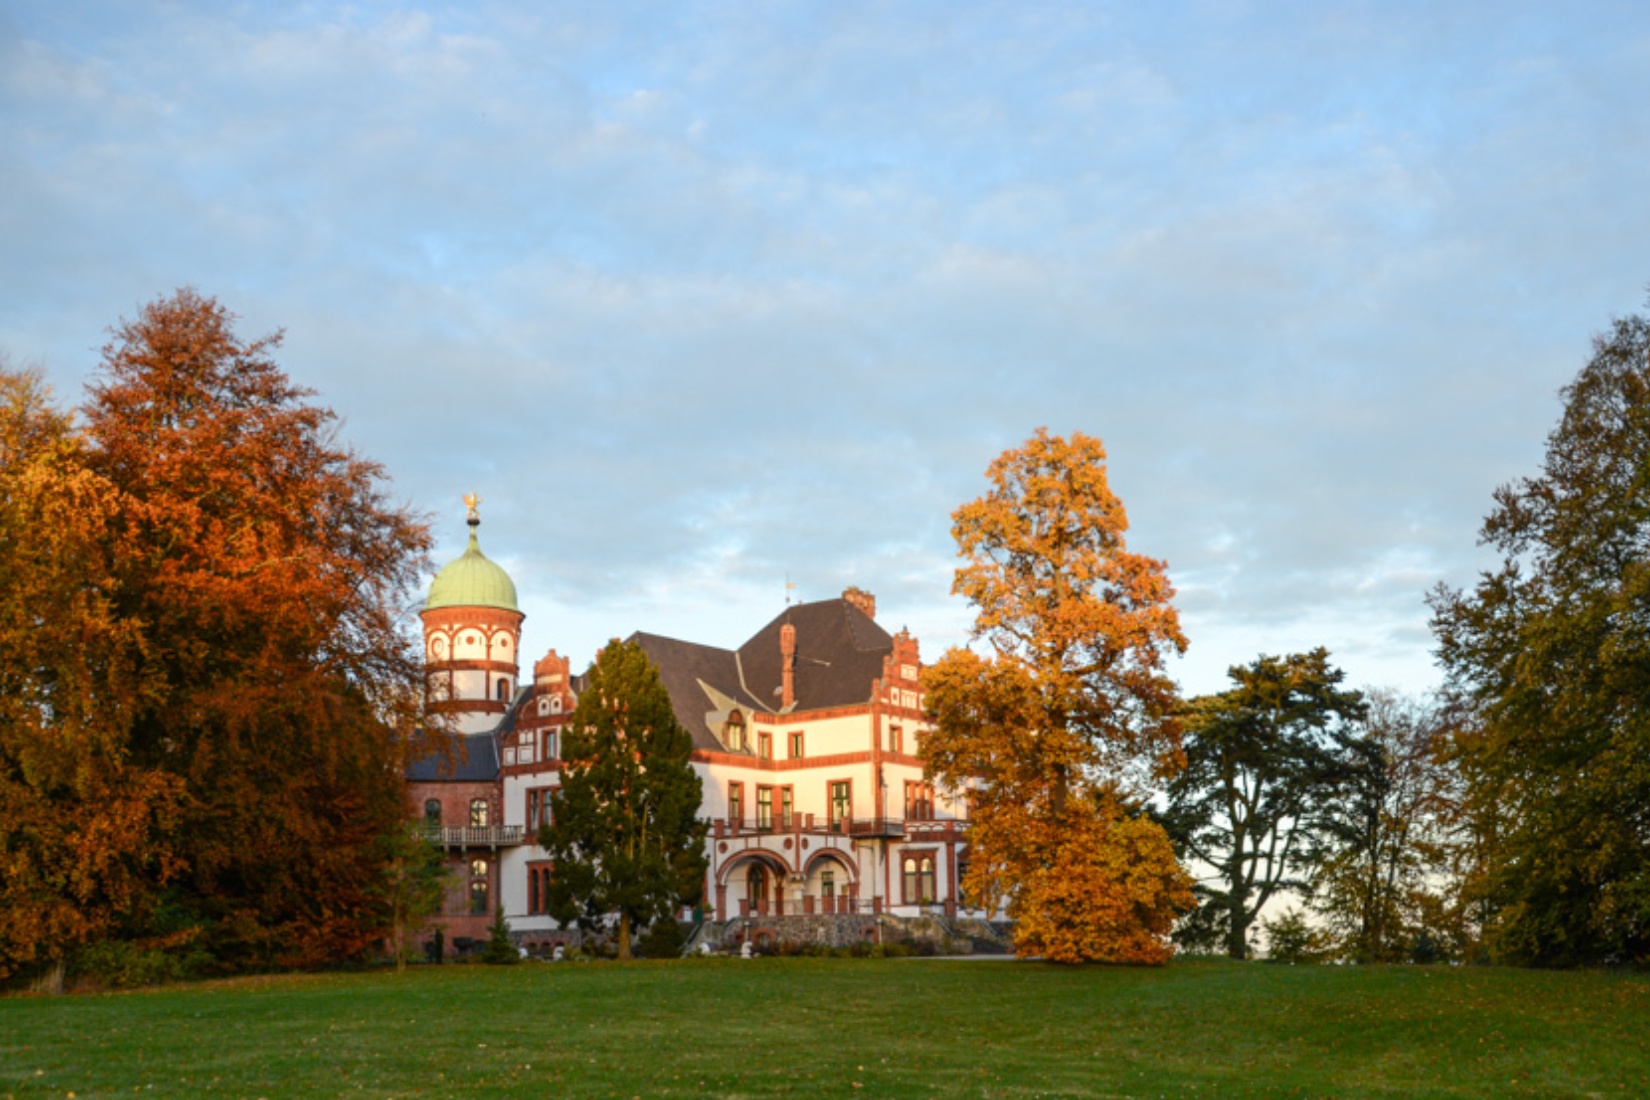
(470, 502)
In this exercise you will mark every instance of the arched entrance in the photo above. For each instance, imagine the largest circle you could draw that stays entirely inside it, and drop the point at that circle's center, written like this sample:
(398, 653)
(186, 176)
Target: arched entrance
(751, 884)
(757, 888)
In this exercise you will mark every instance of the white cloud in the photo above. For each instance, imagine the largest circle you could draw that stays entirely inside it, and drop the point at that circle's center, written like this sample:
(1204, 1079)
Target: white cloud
(700, 296)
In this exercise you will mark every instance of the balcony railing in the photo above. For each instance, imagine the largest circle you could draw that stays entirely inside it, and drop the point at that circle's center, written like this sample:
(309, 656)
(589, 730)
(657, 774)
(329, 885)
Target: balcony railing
(859, 827)
(474, 836)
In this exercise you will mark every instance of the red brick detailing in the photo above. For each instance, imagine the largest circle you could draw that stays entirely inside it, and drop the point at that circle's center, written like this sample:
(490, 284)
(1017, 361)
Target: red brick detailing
(862, 600)
(787, 654)
(834, 760)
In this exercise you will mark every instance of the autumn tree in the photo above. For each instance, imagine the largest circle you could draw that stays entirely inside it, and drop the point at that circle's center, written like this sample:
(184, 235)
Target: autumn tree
(1550, 655)
(87, 831)
(275, 681)
(1264, 761)
(624, 831)
(1382, 880)
(1057, 733)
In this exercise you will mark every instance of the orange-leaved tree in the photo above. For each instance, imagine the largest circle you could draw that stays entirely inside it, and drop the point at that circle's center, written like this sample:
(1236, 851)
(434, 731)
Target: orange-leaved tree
(85, 827)
(270, 574)
(1057, 734)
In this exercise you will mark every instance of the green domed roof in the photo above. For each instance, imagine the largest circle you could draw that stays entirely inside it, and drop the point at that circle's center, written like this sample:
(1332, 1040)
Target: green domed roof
(472, 581)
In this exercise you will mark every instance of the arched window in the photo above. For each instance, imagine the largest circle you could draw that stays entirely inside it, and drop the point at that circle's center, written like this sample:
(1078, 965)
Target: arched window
(756, 884)
(503, 690)
(432, 812)
(479, 813)
(733, 733)
(555, 704)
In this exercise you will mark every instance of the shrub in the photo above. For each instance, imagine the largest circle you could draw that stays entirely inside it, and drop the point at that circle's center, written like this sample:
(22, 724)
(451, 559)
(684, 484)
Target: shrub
(500, 949)
(121, 964)
(662, 940)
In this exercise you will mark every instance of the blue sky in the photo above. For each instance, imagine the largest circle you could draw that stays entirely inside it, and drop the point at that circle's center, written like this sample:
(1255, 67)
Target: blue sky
(702, 296)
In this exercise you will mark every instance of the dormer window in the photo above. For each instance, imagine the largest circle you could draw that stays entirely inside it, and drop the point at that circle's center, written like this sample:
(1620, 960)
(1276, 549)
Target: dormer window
(733, 732)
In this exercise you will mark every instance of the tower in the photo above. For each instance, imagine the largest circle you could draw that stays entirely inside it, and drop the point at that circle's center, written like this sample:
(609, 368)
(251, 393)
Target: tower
(472, 632)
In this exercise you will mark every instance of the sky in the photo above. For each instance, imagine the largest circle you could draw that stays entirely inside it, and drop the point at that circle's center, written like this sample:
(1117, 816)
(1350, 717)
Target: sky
(704, 299)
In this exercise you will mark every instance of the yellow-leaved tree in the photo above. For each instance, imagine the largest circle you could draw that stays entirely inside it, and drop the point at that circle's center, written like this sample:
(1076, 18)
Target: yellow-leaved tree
(1057, 735)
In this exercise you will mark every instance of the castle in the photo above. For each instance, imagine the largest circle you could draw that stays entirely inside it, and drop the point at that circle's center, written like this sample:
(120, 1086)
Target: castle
(807, 740)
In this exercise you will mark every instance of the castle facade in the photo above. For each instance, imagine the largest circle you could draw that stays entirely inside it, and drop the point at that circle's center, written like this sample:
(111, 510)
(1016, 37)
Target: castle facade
(807, 741)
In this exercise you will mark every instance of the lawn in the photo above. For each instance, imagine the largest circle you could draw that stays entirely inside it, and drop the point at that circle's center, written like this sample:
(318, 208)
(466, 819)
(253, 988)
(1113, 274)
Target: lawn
(861, 1028)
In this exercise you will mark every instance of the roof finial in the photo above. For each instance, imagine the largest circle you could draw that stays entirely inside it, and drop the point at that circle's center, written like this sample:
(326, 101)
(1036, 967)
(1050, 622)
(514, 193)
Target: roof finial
(470, 502)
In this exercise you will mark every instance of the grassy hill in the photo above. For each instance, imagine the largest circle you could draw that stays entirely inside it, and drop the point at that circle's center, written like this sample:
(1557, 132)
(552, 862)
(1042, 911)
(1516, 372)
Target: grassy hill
(862, 1028)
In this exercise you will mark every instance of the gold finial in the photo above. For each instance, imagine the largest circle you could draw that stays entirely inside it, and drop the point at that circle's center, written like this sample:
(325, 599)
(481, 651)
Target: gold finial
(470, 502)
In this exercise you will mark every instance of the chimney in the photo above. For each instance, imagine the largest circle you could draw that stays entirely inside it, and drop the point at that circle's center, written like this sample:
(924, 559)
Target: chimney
(862, 600)
(787, 653)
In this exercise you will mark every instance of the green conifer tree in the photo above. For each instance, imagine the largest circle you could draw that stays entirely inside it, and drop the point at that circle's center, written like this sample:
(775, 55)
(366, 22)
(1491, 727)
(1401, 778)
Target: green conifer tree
(624, 833)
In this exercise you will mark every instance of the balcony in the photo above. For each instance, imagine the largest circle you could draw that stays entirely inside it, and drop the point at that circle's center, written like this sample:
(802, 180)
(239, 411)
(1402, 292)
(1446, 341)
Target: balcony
(454, 837)
(859, 828)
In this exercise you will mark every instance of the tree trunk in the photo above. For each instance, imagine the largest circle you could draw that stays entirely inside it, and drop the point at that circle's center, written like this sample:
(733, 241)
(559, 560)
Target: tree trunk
(1237, 924)
(624, 935)
(50, 982)
(1237, 936)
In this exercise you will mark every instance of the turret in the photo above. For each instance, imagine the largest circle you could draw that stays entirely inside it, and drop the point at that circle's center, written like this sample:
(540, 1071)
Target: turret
(472, 632)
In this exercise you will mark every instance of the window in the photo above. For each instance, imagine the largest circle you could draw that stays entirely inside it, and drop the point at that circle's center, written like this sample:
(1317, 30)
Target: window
(555, 704)
(479, 812)
(896, 739)
(764, 746)
(538, 807)
(478, 888)
(764, 808)
(796, 745)
(785, 807)
(538, 888)
(432, 812)
(919, 879)
(736, 803)
(827, 883)
(842, 803)
(733, 732)
(503, 691)
(756, 885)
(549, 744)
(919, 802)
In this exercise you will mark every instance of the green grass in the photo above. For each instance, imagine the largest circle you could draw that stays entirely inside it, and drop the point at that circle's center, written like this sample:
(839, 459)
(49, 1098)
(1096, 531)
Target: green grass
(862, 1028)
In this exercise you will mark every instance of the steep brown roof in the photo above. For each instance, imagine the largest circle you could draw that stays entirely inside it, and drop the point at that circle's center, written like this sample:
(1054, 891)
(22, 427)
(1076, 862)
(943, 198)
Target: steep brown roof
(839, 653)
(688, 669)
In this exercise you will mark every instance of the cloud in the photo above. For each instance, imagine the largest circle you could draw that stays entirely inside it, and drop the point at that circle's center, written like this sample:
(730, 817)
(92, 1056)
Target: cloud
(703, 297)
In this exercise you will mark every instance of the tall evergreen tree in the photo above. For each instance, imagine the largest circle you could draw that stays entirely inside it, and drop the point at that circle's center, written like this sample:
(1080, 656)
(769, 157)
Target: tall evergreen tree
(1550, 653)
(1263, 762)
(624, 832)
